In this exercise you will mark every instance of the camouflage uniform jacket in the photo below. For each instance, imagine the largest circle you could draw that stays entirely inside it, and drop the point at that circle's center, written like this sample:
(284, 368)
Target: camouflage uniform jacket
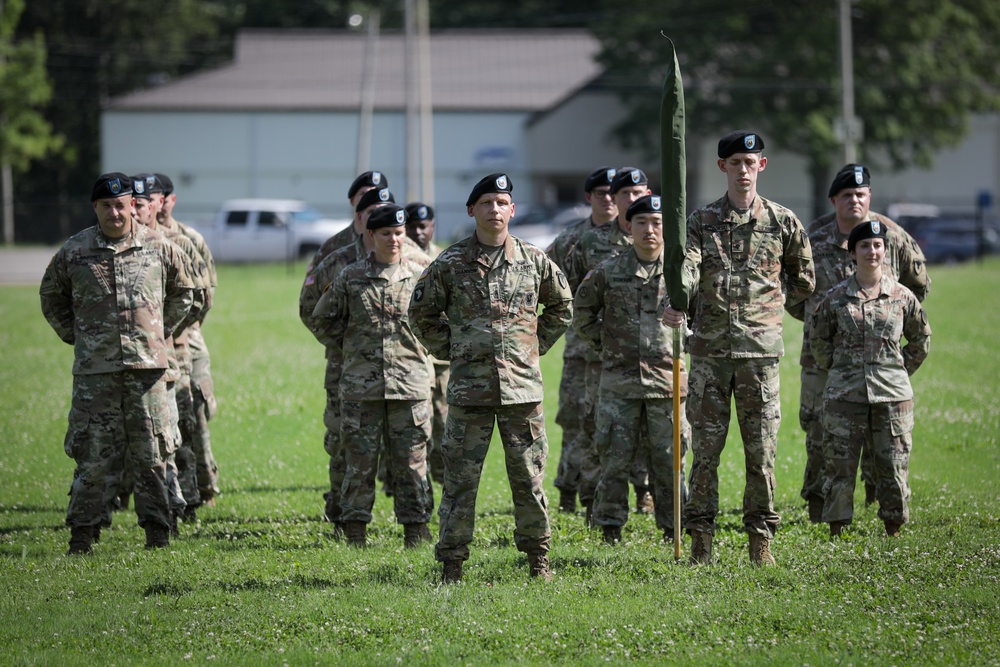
(198, 271)
(595, 245)
(364, 315)
(321, 280)
(484, 319)
(903, 260)
(858, 342)
(742, 268)
(117, 308)
(558, 252)
(618, 310)
(212, 277)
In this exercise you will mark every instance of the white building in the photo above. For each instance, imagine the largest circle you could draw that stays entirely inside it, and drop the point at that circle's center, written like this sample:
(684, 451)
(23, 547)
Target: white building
(283, 119)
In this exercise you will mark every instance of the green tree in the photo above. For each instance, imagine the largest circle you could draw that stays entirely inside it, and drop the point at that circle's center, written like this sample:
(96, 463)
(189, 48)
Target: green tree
(25, 135)
(920, 70)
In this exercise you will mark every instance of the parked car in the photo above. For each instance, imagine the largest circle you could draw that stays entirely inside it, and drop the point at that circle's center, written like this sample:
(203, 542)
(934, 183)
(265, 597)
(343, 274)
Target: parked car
(950, 239)
(267, 230)
(540, 226)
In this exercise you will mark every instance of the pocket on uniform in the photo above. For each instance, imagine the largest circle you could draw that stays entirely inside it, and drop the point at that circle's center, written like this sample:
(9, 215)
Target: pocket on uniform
(76, 434)
(421, 412)
(901, 419)
(206, 388)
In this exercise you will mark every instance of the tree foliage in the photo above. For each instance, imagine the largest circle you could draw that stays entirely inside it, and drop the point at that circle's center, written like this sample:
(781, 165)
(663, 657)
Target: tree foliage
(25, 135)
(919, 72)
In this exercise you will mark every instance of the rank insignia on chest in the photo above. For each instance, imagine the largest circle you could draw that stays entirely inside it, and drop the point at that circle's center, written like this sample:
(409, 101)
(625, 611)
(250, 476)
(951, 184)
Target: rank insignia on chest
(739, 245)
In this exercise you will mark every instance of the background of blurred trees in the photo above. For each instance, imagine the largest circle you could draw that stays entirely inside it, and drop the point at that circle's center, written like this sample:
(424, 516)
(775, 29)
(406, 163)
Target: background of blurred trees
(920, 70)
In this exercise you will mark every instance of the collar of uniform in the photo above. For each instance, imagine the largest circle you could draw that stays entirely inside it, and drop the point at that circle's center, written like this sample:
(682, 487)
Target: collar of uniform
(137, 237)
(729, 214)
(373, 269)
(886, 285)
(475, 248)
(615, 233)
(637, 269)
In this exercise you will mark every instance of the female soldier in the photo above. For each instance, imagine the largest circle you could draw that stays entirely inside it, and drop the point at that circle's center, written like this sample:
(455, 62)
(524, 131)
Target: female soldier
(856, 333)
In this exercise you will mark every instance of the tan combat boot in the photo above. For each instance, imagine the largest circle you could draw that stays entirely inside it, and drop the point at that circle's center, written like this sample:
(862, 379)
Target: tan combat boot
(414, 534)
(760, 550)
(357, 533)
(644, 500)
(538, 561)
(701, 547)
(452, 573)
(81, 540)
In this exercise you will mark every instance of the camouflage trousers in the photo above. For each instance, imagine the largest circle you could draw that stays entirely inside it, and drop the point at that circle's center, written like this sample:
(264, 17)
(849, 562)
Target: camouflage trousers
(186, 461)
(337, 467)
(886, 429)
(115, 415)
(572, 401)
(590, 468)
(204, 408)
(439, 405)
(401, 430)
(619, 424)
(713, 384)
(811, 421)
(467, 438)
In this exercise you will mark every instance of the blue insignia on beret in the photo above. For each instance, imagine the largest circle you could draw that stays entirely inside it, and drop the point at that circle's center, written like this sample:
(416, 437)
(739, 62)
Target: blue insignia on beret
(502, 182)
(635, 176)
(655, 203)
(611, 174)
(383, 194)
(859, 175)
(139, 186)
(401, 216)
(115, 186)
(876, 227)
(376, 178)
(422, 212)
(750, 140)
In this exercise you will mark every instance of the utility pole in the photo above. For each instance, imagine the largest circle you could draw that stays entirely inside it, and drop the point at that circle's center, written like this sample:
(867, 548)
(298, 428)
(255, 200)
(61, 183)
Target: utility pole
(6, 174)
(368, 70)
(426, 103)
(412, 102)
(851, 126)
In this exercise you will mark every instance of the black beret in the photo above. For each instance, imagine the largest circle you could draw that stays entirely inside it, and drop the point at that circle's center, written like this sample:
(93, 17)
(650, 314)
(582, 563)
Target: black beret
(627, 177)
(600, 176)
(373, 179)
(492, 184)
(646, 204)
(111, 186)
(372, 197)
(740, 141)
(417, 211)
(387, 216)
(850, 176)
(146, 184)
(873, 229)
(168, 185)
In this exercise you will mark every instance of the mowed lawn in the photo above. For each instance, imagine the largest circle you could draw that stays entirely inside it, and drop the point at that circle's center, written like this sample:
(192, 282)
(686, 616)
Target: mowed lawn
(258, 579)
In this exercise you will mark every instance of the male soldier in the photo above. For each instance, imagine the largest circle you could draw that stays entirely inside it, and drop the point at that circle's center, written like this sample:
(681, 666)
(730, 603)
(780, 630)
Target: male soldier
(115, 292)
(597, 191)
(595, 246)
(385, 382)
(420, 230)
(617, 310)
(318, 279)
(148, 192)
(202, 387)
(477, 306)
(743, 253)
(369, 180)
(850, 194)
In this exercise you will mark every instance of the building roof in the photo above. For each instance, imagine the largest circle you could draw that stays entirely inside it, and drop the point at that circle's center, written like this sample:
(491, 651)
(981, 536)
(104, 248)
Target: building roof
(471, 70)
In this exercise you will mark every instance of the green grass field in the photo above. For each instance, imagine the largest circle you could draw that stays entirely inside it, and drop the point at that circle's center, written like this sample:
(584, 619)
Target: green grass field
(259, 581)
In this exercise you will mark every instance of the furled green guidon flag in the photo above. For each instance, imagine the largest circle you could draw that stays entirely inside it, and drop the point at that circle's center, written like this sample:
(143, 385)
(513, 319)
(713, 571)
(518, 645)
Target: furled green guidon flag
(673, 170)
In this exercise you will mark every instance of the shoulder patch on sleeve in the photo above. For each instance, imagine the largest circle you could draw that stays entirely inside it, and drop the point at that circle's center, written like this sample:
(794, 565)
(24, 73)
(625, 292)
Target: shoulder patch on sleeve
(310, 280)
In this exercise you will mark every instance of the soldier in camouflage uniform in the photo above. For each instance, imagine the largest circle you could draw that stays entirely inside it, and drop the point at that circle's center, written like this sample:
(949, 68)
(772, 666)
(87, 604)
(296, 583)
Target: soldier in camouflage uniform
(202, 386)
(856, 335)
(617, 310)
(595, 246)
(385, 382)
(477, 306)
(745, 257)
(115, 292)
(362, 185)
(182, 481)
(572, 385)
(850, 194)
(420, 230)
